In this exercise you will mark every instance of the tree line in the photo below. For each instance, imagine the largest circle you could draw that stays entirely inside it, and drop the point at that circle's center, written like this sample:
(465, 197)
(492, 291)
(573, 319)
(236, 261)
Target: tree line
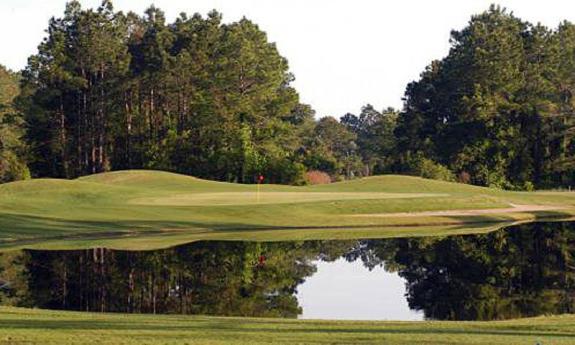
(498, 110)
(109, 90)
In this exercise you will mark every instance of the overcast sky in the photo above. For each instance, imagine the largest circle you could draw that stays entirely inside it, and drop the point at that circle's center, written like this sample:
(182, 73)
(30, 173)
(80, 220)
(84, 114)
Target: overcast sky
(344, 54)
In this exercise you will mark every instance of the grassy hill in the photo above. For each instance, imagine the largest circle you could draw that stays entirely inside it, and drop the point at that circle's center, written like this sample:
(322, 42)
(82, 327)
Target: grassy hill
(156, 209)
(31, 326)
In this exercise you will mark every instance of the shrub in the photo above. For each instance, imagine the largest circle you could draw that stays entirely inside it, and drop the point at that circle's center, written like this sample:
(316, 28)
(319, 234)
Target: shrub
(496, 179)
(284, 171)
(317, 177)
(528, 186)
(427, 168)
(12, 168)
(464, 177)
(436, 171)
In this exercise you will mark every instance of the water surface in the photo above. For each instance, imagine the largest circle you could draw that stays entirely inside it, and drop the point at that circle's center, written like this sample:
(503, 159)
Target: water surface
(343, 290)
(520, 271)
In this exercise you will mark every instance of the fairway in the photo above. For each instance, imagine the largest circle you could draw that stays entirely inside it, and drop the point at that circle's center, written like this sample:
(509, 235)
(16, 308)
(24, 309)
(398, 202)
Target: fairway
(158, 209)
(455, 213)
(255, 198)
(28, 326)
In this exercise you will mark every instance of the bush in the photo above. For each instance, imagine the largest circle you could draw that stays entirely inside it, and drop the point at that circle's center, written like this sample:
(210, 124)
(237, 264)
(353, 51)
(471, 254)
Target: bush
(427, 168)
(285, 171)
(436, 171)
(496, 179)
(464, 177)
(317, 177)
(322, 162)
(12, 168)
(528, 186)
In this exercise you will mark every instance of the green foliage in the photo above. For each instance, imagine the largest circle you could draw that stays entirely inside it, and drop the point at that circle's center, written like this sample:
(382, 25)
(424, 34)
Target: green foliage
(12, 168)
(331, 147)
(528, 186)
(111, 91)
(426, 168)
(286, 171)
(12, 148)
(498, 107)
(375, 138)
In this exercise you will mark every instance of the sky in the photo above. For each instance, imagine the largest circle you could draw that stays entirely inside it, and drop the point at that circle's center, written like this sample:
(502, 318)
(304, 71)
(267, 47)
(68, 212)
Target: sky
(344, 54)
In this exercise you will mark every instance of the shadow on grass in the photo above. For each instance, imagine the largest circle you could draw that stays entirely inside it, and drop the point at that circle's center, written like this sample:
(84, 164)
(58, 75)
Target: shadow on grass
(505, 220)
(23, 230)
(209, 325)
(552, 215)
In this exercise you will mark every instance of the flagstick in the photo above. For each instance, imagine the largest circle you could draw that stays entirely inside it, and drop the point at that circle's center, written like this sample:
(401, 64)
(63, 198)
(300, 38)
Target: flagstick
(259, 181)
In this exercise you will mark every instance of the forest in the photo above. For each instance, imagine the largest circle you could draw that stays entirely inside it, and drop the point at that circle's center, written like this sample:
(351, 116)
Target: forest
(110, 91)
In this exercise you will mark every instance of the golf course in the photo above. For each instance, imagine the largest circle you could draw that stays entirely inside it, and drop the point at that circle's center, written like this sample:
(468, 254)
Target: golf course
(159, 209)
(313, 172)
(144, 210)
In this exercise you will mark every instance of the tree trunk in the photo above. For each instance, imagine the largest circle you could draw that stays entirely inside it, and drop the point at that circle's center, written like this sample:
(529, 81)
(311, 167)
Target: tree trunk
(63, 144)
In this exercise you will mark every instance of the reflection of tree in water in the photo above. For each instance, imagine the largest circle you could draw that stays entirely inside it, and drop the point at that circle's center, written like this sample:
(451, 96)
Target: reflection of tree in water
(524, 271)
(14, 276)
(221, 278)
(520, 272)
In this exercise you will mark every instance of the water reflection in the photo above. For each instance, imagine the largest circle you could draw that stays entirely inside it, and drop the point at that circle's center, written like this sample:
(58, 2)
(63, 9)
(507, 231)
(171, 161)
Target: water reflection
(522, 271)
(343, 290)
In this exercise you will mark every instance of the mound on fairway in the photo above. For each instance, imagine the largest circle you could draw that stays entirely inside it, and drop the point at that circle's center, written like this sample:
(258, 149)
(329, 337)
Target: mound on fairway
(164, 208)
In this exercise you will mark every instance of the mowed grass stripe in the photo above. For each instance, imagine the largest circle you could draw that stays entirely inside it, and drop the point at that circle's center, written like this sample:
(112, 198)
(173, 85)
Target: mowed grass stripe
(267, 197)
(32, 326)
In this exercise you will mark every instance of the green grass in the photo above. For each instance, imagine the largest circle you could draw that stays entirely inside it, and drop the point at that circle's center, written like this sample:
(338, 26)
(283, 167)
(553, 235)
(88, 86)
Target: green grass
(27, 326)
(151, 209)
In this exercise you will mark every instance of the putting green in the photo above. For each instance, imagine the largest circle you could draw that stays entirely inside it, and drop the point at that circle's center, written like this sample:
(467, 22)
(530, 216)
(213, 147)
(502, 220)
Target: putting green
(252, 198)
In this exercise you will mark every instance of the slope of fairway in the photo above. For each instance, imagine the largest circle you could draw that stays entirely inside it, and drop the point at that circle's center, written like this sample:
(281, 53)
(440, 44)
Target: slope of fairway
(159, 181)
(32, 326)
(165, 208)
(154, 180)
(402, 184)
(269, 197)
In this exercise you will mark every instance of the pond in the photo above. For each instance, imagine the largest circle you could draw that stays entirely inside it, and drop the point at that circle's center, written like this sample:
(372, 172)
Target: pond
(520, 271)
